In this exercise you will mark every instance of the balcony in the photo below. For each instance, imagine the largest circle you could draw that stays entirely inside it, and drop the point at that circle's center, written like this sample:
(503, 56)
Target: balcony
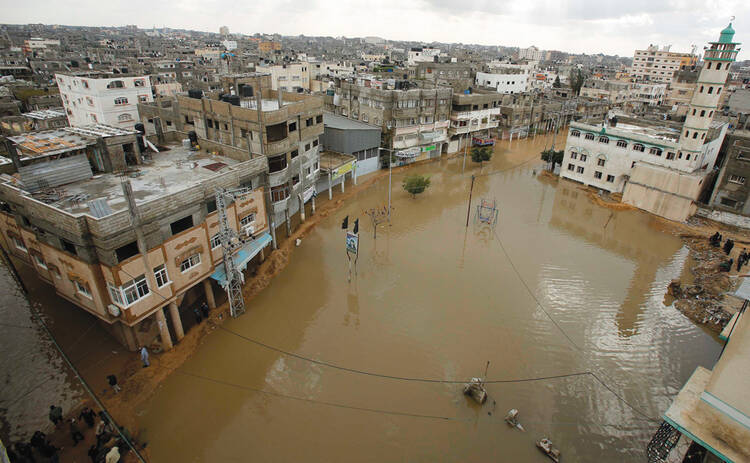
(279, 177)
(280, 206)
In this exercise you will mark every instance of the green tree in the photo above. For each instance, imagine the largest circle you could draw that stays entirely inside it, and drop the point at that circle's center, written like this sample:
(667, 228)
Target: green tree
(557, 83)
(481, 153)
(550, 155)
(416, 184)
(577, 78)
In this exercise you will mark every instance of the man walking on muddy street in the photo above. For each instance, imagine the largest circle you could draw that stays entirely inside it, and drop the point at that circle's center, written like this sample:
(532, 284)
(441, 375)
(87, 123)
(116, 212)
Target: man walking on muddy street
(55, 414)
(75, 433)
(112, 379)
(144, 357)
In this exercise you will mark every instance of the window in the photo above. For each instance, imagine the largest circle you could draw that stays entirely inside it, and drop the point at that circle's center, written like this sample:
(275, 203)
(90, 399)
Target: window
(571, 167)
(703, 112)
(160, 274)
(601, 162)
(292, 126)
(120, 100)
(309, 122)
(718, 90)
(90, 101)
(728, 202)
(124, 117)
(639, 147)
(295, 179)
(656, 151)
(277, 163)
(597, 174)
(670, 155)
(718, 66)
(116, 84)
(210, 123)
(40, 262)
(211, 205)
(307, 147)
(573, 155)
(82, 289)
(294, 154)
(579, 170)
(315, 142)
(215, 241)
(181, 225)
(583, 157)
(589, 136)
(68, 246)
(610, 178)
(622, 144)
(687, 157)
(250, 218)
(18, 244)
(710, 90)
(139, 83)
(737, 179)
(190, 262)
(604, 140)
(319, 119)
(695, 135)
(127, 251)
(279, 193)
(276, 132)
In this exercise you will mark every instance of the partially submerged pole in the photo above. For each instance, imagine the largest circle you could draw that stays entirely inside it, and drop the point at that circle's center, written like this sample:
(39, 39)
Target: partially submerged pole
(468, 209)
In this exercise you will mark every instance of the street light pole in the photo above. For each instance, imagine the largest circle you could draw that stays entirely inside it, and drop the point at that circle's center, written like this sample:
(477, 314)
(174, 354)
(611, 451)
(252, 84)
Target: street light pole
(390, 174)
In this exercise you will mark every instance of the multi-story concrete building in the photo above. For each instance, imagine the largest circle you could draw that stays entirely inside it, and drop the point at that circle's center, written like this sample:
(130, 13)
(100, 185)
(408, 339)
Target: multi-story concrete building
(614, 91)
(293, 77)
(680, 91)
(732, 189)
(110, 101)
(657, 65)
(269, 46)
(473, 115)
(413, 119)
(126, 266)
(459, 76)
(503, 83)
(282, 127)
(531, 53)
(649, 93)
(423, 55)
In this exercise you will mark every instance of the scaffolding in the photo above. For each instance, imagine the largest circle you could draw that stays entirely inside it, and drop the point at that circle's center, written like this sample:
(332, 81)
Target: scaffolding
(231, 242)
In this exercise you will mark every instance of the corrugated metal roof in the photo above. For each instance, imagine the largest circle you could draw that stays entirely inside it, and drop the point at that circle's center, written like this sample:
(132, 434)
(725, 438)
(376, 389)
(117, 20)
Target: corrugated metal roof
(339, 122)
(55, 173)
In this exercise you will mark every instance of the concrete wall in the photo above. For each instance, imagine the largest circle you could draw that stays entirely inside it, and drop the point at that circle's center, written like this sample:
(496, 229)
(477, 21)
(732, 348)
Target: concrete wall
(664, 192)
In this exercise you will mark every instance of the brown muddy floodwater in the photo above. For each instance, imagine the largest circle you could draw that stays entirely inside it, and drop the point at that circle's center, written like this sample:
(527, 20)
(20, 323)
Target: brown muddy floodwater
(435, 300)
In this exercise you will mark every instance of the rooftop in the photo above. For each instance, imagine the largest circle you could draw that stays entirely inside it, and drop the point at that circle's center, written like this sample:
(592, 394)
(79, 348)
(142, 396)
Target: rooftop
(629, 127)
(44, 114)
(344, 123)
(57, 141)
(165, 173)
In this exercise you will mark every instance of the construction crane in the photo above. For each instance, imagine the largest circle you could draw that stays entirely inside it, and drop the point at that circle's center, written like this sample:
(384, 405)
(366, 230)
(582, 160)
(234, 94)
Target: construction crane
(230, 242)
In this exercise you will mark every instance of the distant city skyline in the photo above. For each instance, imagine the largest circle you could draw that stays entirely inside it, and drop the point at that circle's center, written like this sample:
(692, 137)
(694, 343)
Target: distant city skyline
(575, 26)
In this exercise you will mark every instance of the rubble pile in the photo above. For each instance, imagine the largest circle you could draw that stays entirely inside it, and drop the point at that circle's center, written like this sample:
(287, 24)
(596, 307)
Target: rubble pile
(703, 300)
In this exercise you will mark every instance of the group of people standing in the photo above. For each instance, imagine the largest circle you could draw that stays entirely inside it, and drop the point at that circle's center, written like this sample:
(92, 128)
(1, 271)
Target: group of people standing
(726, 266)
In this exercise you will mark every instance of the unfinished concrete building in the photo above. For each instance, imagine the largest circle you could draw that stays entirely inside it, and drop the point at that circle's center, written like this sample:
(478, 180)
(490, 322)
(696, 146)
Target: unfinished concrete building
(140, 238)
(414, 120)
(249, 116)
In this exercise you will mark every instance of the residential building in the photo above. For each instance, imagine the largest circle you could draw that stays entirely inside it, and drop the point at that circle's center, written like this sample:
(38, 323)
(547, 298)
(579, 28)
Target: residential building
(82, 238)
(224, 30)
(293, 77)
(109, 101)
(732, 188)
(473, 115)
(459, 76)
(531, 53)
(269, 46)
(413, 119)
(614, 91)
(653, 64)
(680, 91)
(283, 127)
(649, 93)
(423, 55)
(503, 83)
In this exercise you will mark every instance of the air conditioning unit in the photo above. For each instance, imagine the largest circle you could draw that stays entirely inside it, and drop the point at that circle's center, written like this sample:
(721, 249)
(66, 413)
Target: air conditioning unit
(248, 230)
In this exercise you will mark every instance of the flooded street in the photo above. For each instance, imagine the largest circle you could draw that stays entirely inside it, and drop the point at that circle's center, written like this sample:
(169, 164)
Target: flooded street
(433, 300)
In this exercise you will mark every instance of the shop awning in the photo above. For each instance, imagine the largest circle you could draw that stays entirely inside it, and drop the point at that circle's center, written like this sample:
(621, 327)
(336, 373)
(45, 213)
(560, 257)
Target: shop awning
(242, 257)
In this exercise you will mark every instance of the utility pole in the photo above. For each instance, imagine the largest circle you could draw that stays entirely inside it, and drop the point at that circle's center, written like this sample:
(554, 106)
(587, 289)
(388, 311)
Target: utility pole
(468, 209)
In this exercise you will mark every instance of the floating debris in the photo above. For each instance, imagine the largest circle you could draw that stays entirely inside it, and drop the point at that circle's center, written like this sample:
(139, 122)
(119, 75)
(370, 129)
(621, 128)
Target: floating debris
(475, 389)
(545, 445)
(512, 419)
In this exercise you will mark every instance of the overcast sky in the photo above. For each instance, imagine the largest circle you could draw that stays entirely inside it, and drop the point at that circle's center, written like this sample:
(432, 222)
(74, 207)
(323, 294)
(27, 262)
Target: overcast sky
(590, 26)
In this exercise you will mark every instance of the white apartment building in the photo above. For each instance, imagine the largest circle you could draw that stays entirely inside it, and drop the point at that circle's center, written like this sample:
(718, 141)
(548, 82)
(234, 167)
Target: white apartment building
(288, 77)
(111, 101)
(422, 55)
(531, 53)
(650, 93)
(503, 83)
(658, 65)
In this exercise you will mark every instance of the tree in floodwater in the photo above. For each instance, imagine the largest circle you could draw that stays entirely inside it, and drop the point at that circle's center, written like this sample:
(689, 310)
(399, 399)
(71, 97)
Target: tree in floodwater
(480, 154)
(416, 184)
(555, 157)
(557, 83)
(577, 78)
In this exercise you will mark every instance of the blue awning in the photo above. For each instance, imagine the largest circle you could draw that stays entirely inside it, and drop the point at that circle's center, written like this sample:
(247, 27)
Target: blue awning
(242, 257)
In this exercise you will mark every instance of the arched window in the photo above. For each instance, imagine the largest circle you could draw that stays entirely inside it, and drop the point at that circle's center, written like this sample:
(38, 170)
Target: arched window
(116, 84)
(703, 112)
(710, 90)
(601, 160)
(589, 136)
(639, 147)
(709, 65)
(703, 135)
(695, 135)
(622, 144)
(711, 114)
(654, 150)
(701, 90)
(604, 140)
(687, 133)
(718, 90)
(694, 112)
(124, 117)
(718, 66)
(575, 133)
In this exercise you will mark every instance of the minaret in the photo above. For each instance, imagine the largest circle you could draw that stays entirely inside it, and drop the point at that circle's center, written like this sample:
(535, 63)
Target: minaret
(711, 82)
